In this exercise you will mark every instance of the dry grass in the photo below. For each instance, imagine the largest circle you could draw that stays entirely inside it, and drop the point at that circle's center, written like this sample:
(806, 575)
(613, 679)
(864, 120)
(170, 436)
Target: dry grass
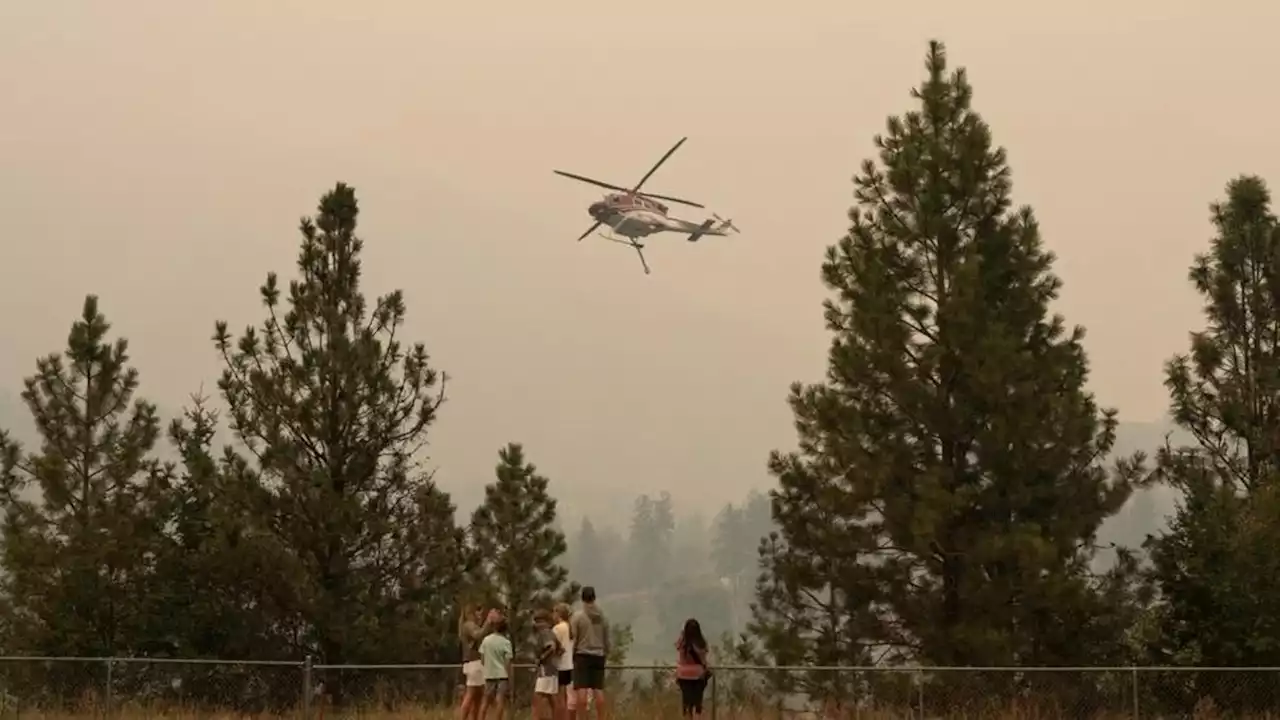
(650, 707)
(651, 711)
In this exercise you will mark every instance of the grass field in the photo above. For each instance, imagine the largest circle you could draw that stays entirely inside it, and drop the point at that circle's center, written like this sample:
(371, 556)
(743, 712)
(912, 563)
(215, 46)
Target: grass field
(651, 712)
(399, 699)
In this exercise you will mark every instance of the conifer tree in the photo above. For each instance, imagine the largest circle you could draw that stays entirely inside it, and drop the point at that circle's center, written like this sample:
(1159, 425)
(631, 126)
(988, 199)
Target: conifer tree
(949, 475)
(816, 593)
(738, 533)
(517, 542)
(218, 589)
(589, 562)
(83, 519)
(652, 526)
(1217, 605)
(333, 410)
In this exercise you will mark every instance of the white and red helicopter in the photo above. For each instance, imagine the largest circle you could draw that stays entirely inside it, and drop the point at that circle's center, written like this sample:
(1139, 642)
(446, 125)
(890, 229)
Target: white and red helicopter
(632, 214)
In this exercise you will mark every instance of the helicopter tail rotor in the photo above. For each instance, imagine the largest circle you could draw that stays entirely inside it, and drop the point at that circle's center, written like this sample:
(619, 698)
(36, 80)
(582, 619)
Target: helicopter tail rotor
(725, 224)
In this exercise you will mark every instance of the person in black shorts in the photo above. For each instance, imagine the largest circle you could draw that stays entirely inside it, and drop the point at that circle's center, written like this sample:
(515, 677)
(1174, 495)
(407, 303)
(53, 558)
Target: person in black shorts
(590, 634)
(692, 667)
(564, 664)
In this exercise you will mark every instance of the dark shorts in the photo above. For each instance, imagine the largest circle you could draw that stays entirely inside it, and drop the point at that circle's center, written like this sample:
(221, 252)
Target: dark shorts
(691, 694)
(588, 672)
(494, 689)
(565, 677)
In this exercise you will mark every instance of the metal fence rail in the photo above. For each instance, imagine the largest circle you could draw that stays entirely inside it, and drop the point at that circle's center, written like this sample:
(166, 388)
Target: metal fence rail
(77, 687)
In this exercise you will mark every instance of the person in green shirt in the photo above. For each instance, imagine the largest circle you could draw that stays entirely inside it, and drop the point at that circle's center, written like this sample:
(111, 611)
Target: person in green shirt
(496, 655)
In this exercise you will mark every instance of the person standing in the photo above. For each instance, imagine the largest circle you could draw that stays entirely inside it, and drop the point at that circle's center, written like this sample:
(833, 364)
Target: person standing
(471, 632)
(496, 655)
(564, 663)
(546, 688)
(692, 667)
(590, 635)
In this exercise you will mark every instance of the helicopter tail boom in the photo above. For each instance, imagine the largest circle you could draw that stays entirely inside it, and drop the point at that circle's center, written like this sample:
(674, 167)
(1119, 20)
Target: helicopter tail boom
(706, 228)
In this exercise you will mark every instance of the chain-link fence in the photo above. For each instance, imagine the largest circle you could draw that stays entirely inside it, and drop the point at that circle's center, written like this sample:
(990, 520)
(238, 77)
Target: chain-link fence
(72, 688)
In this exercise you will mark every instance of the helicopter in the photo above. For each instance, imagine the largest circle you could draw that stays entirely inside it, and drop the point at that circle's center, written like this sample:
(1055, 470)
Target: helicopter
(632, 215)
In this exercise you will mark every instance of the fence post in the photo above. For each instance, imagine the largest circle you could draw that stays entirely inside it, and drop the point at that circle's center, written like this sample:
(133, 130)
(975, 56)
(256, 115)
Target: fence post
(306, 688)
(920, 691)
(713, 696)
(1136, 707)
(107, 700)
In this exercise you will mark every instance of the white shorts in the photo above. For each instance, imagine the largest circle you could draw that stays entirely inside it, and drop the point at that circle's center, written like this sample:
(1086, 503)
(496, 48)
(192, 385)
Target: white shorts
(549, 685)
(474, 673)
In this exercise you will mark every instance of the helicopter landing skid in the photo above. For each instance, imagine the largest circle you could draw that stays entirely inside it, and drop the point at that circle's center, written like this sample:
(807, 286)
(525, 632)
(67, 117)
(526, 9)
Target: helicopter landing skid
(639, 248)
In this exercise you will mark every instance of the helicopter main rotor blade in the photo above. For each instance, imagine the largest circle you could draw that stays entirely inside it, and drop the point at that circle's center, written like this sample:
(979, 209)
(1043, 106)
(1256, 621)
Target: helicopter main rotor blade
(668, 198)
(589, 181)
(657, 165)
(590, 230)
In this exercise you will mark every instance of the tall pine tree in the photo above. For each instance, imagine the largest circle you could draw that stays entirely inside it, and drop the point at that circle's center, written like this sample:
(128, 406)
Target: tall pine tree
(953, 454)
(517, 541)
(1218, 604)
(590, 564)
(333, 409)
(653, 524)
(84, 513)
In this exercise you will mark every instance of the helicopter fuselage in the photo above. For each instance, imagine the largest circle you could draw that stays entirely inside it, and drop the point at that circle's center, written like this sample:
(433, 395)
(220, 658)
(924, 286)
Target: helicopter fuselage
(630, 222)
(636, 216)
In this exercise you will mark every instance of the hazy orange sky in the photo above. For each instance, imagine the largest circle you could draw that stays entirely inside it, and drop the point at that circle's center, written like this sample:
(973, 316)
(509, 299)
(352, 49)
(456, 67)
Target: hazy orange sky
(159, 153)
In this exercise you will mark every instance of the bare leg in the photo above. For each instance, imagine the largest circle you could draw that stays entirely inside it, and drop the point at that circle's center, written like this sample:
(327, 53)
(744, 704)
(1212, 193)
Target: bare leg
(464, 707)
(499, 704)
(602, 706)
(472, 699)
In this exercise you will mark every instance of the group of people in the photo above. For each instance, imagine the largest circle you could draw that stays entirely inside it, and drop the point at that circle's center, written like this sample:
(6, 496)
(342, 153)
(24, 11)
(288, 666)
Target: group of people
(572, 647)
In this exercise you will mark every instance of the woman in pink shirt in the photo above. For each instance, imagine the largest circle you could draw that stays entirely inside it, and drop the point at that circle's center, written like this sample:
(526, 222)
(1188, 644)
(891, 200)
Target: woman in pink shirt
(692, 667)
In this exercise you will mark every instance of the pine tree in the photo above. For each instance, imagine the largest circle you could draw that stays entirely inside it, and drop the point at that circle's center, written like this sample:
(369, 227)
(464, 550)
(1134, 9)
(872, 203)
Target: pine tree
(652, 526)
(333, 410)
(517, 542)
(953, 427)
(737, 535)
(816, 593)
(690, 547)
(590, 564)
(218, 576)
(1218, 606)
(78, 560)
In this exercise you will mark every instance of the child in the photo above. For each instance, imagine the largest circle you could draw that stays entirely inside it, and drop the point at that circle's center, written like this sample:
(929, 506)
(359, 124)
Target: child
(496, 654)
(547, 686)
(565, 700)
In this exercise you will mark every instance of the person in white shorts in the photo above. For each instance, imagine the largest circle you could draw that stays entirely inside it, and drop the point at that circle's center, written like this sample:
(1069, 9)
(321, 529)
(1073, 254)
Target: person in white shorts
(471, 633)
(547, 685)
